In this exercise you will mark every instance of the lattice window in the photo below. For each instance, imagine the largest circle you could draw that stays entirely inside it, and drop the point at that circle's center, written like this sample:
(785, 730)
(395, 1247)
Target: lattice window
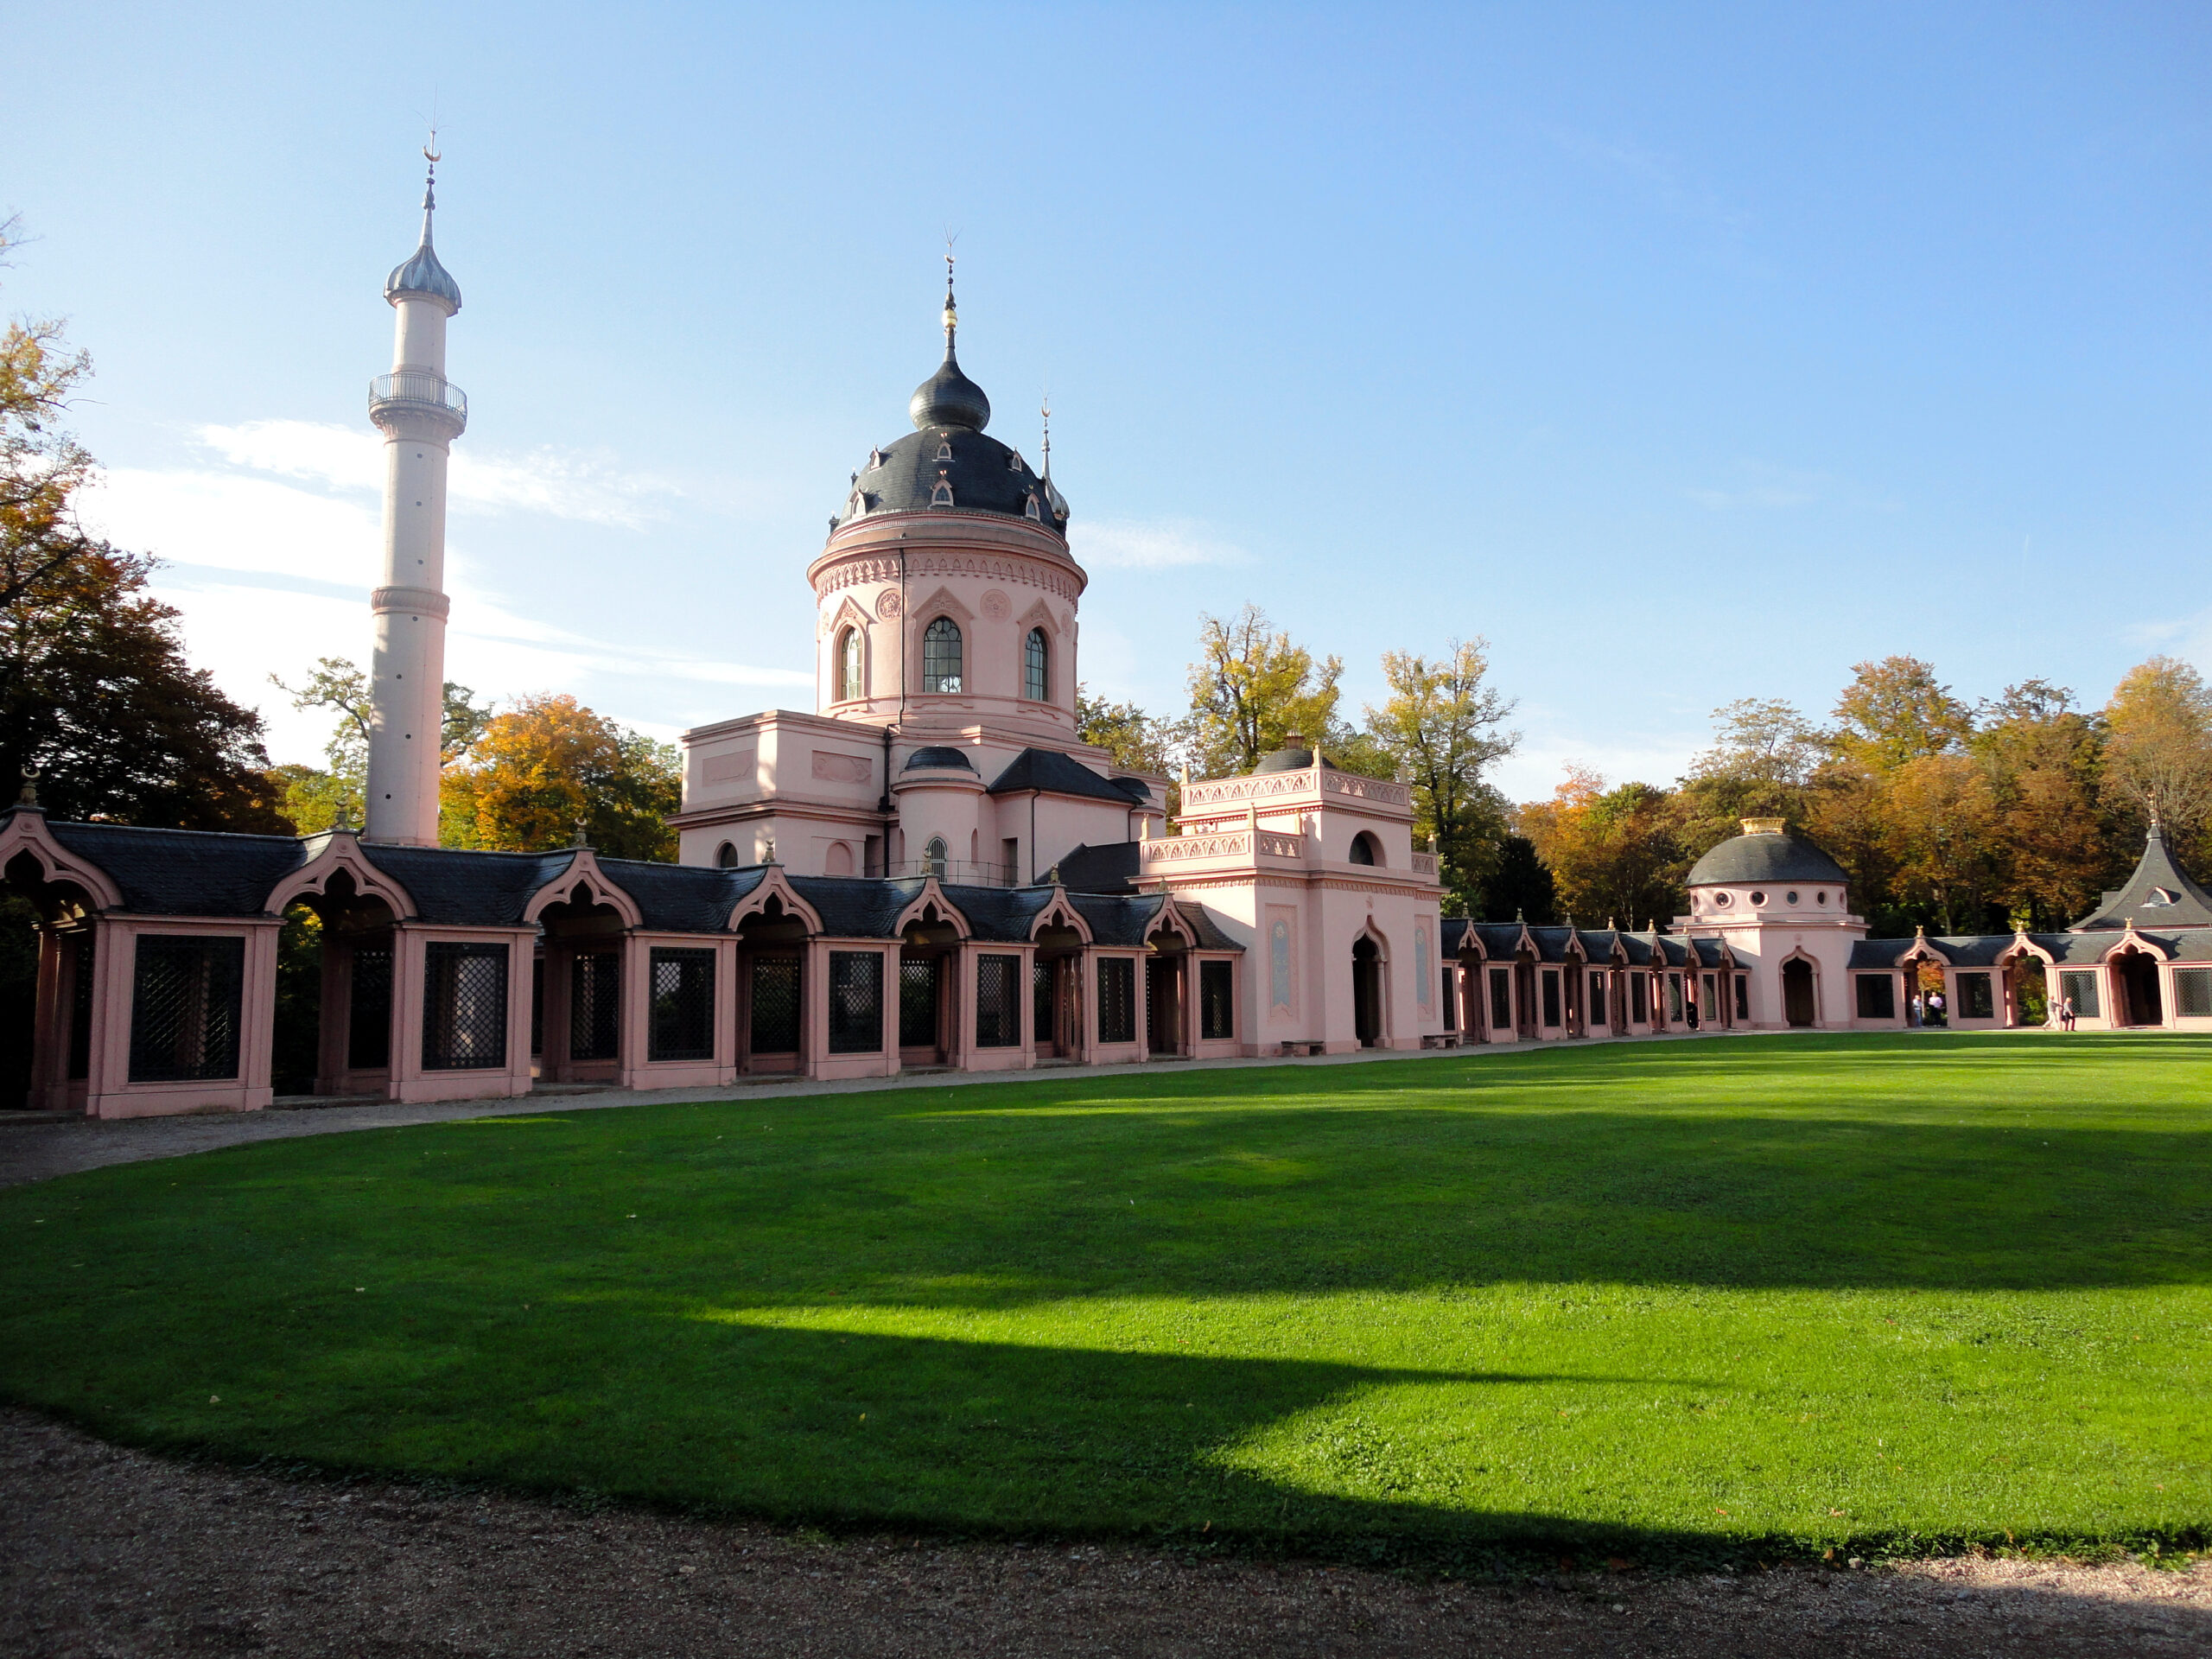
(1037, 667)
(368, 1009)
(185, 1007)
(1976, 999)
(1451, 1001)
(1551, 996)
(1743, 996)
(856, 1002)
(918, 981)
(941, 656)
(1878, 996)
(1597, 999)
(594, 1006)
(1501, 998)
(2192, 993)
(80, 1008)
(998, 1003)
(464, 1005)
(2081, 990)
(681, 1016)
(1674, 997)
(1217, 1000)
(1639, 1000)
(1117, 1000)
(1041, 970)
(775, 1005)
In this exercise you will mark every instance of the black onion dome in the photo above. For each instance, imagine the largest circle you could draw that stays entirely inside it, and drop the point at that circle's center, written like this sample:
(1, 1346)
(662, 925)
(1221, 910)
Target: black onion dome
(949, 399)
(1290, 759)
(1765, 856)
(936, 757)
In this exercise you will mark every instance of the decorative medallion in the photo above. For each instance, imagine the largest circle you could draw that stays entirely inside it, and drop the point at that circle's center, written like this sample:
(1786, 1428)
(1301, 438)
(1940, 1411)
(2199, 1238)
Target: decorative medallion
(887, 605)
(996, 605)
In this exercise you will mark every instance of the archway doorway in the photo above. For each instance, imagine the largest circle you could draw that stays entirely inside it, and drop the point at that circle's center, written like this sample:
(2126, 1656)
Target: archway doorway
(578, 996)
(1056, 987)
(47, 962)
(1797, 992)
(2135, 976)
(771, 982)
(927, 951)
(332, 1031)
(1164, 993)
(1366, 993)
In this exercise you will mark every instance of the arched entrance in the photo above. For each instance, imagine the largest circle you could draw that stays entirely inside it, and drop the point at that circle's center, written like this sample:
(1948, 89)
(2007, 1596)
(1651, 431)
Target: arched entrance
(577, 999)
(1056, 987)
(46, 1022)
(1164, 992)
(1366, 993)
(1798, 1005)
(771, 956)
(2135, 980)
(332, 1033)
(928, 950)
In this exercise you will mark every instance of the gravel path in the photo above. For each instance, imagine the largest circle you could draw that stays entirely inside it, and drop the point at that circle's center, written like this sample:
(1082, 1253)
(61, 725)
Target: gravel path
(112, 1553)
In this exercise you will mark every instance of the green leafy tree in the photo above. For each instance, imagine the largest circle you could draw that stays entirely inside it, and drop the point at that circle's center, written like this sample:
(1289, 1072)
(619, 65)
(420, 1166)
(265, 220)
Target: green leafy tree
(1612, 852)
(1895, 711)
(1252, 688)
(1760, 766)
(2158, 754)
(1443, 727)
(316, 798)
(2056, 849)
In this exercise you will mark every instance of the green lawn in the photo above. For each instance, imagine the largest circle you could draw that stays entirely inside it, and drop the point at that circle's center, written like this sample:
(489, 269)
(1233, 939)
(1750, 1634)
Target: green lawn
(1764, 1295)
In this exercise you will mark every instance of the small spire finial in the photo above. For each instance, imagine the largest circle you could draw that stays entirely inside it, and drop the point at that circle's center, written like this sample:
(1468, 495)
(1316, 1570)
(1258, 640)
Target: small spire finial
(30, 796)
(951, 308)
(1045, 410)
(581, 839)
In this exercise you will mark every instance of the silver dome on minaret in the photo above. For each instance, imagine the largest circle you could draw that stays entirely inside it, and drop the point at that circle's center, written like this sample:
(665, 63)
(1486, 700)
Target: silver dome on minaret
(422, 275)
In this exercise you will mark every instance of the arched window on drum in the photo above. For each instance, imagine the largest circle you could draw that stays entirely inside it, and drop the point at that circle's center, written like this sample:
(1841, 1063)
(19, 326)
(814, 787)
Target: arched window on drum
(933, 857)
(850, 684)
(941, 656)
(1037, 667)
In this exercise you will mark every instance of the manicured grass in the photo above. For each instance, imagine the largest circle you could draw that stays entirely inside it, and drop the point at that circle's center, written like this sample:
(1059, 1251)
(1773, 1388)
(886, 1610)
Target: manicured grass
(1759, 1295)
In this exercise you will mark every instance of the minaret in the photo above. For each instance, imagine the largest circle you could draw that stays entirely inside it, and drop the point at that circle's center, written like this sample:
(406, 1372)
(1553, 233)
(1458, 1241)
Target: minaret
(420, 413)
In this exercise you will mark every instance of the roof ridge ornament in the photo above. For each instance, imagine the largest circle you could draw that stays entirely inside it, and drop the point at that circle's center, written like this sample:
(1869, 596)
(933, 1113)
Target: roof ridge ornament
(29, 796)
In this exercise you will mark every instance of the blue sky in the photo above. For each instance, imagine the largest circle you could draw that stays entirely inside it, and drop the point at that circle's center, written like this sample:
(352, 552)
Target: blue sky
(1686, 353)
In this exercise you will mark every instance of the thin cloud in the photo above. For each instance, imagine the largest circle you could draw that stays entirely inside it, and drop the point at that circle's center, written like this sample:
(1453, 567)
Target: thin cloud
(561, 483)
(1165, 546)
(229, 521)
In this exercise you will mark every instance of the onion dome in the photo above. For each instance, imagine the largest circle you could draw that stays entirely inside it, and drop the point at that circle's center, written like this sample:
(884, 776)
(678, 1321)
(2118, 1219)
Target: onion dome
(1764, 854)
(937, 758)
(422, 276)
(1294, 756)
(948, 463)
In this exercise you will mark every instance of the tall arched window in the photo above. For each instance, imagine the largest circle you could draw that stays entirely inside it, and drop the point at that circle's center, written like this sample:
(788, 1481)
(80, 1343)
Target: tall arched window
(941, 656)
(933, 856)
(1365, 849)
(726, 858)
(1037, 667)
(848, 664)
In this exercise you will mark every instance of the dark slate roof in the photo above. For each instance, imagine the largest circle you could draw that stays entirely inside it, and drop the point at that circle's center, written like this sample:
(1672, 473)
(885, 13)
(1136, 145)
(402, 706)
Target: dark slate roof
(1638, 948)
(937, 755)
(1117, 921)
(1710, 954)
(185, 872)
(950, 408)
(1552, 943)
(1877, 953)
(465, 889)
(1002, 915)
(1765, 858)
(2158, 894)
(1110, 868)
(1054, 773)
(1451, 934)
(1289, 760)
(1135, 788)
(857, 907)
(682, 898)
(1598, 943)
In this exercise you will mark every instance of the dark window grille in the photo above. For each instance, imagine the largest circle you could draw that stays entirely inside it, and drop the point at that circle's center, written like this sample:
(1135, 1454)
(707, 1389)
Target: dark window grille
(1551, 996)
(682, 988)
(1597, 999)
(856, 1002)
(1036, 667)
(2193, 992)
(464, 1005)
(537, 1005)
(775, 1005)
(1040, 998)
(2083, 989)
(941, 656)
(1976, 999)
(1501, 999)
(1674, 996)
(1639, 1000)
(1450, 1000)
(185, 1007)
(1217, 1000)
(595, 1006)
(80, 1010)
(1878, 997)
(1743, 996)
(917, 987)
(368, 1009)
(998, 1001)
(1117, 1000)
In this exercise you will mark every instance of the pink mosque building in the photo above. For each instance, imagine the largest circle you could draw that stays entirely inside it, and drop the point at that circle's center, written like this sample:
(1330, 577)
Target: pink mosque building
(930, 869)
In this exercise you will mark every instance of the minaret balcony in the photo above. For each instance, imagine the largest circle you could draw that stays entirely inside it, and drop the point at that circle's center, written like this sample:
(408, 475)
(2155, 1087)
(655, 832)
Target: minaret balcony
(418, 392)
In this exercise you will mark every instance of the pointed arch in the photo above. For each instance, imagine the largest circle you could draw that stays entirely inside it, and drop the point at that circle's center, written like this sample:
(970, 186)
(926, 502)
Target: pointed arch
(342, 851)
(27, 833)
(773, 887)
(583, 872)
(930, 906)
(1060, 912)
